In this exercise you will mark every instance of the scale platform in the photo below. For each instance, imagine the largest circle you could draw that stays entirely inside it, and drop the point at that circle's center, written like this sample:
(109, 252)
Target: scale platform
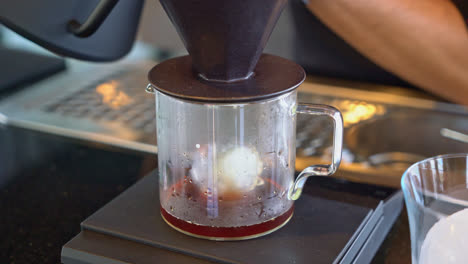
(335, 221)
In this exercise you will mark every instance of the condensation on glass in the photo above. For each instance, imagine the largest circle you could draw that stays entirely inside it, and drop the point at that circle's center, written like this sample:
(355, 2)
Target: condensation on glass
(226, 165)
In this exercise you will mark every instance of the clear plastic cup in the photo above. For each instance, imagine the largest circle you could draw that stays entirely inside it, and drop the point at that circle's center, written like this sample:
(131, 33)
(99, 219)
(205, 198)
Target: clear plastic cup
(436, 196)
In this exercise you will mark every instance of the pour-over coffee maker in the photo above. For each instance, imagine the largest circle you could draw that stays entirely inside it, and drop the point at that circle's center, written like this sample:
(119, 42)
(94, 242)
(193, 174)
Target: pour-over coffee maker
(226, 123)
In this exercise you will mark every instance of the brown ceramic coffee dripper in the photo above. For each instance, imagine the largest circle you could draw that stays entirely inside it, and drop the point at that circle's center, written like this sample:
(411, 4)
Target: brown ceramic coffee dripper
(226, 122)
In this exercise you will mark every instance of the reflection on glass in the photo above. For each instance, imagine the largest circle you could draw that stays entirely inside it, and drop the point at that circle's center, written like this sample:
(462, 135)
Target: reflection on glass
(112, 96)
(355, 112)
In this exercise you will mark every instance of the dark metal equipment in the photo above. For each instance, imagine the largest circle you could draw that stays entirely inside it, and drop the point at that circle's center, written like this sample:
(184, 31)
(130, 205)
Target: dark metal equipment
(94, 30)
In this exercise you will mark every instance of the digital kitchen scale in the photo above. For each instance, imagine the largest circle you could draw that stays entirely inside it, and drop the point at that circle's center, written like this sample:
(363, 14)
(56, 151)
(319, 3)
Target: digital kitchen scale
(335, 221)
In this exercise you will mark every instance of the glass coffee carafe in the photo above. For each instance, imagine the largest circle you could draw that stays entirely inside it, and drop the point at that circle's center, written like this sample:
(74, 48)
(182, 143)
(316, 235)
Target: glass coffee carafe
(227, 169)
(226, 122)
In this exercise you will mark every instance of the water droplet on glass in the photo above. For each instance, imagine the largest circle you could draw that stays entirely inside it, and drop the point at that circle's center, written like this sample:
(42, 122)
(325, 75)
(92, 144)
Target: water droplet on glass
(259, 197)
(275, 192)
(220, 199)
(190, 180)
(197, 146)
(245, 195)
(172, 209)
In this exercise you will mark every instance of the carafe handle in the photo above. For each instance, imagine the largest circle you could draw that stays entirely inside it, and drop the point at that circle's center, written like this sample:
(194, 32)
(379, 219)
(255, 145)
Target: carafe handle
(321, 169)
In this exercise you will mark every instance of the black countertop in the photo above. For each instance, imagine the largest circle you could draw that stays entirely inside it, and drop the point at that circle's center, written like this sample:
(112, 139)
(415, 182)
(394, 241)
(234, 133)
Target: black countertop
(50, 184)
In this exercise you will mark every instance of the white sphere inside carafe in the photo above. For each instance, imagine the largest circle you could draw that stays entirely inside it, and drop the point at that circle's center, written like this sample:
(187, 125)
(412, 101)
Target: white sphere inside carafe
(236, 170)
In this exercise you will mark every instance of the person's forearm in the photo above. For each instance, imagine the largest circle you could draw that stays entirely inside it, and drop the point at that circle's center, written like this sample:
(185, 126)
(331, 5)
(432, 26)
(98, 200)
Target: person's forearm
(423, 41)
